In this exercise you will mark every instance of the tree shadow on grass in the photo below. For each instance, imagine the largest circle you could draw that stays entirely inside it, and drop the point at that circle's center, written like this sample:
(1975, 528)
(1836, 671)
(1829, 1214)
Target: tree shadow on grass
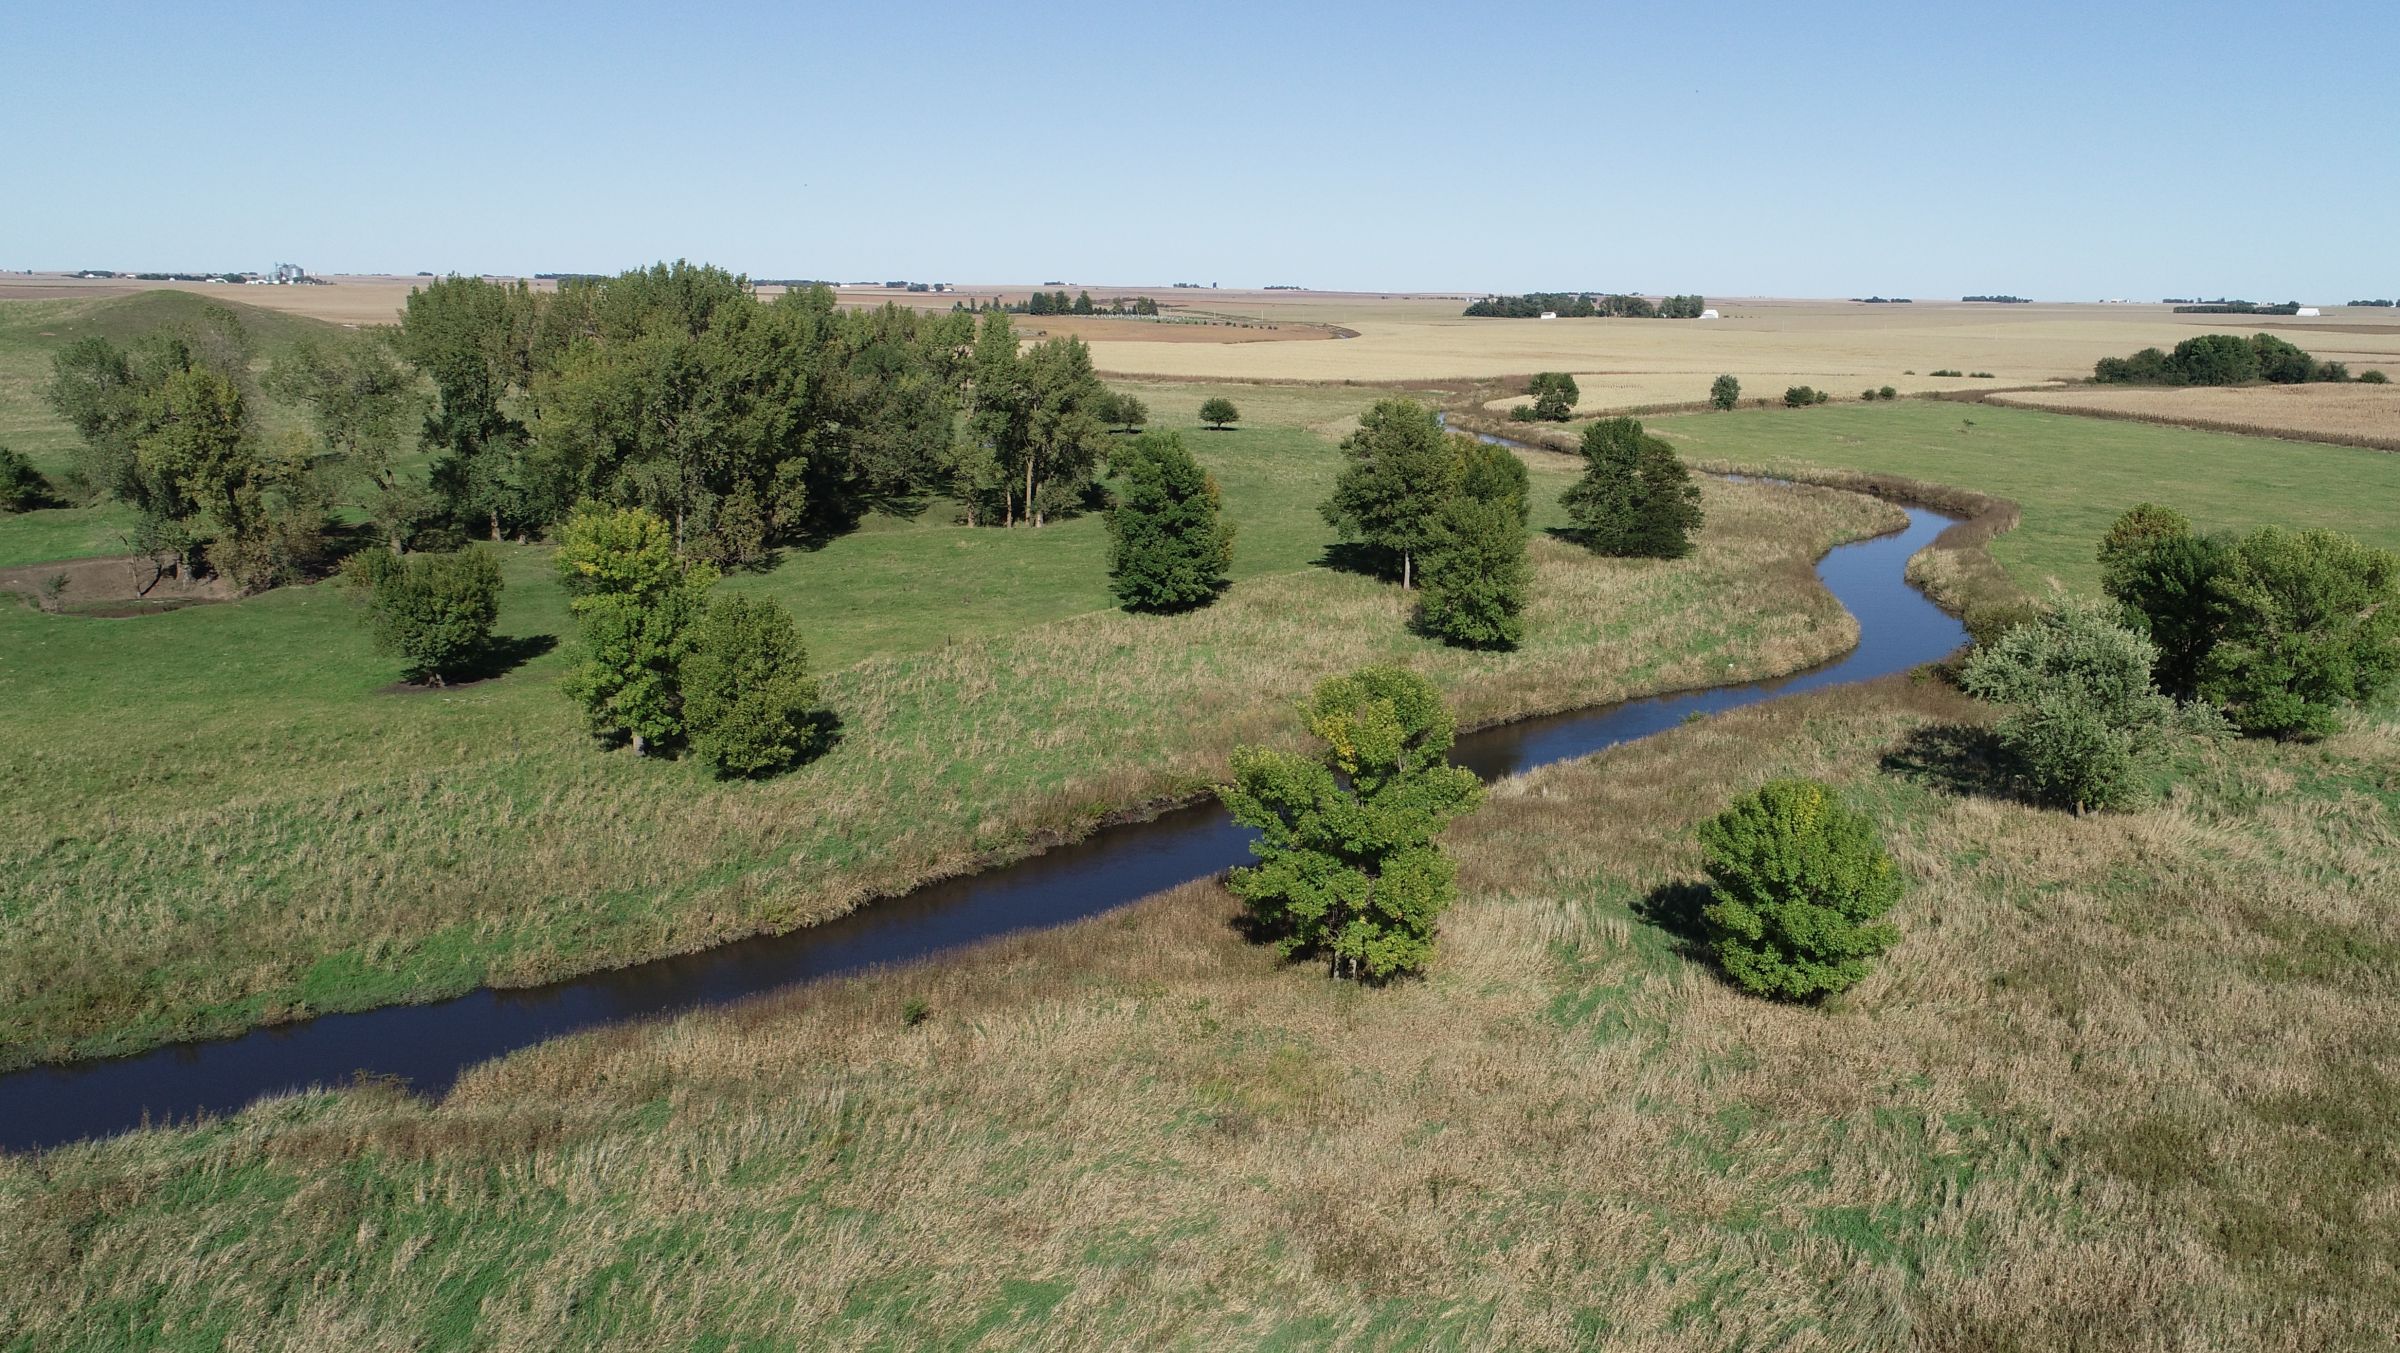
(1673, 908)
(1352, 557)
(501, 655)
(1957, 759)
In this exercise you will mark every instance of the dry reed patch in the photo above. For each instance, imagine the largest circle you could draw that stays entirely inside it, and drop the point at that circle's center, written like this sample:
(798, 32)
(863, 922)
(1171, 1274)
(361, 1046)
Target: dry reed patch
(2116, 1089)
(2347, 415)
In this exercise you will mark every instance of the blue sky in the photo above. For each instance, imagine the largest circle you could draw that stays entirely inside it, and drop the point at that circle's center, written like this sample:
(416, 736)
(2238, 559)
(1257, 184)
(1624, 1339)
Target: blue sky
(2062, 151)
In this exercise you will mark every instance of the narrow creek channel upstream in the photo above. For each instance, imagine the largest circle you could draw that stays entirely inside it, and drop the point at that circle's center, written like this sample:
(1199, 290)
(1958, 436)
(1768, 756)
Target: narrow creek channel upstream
(428, 1046)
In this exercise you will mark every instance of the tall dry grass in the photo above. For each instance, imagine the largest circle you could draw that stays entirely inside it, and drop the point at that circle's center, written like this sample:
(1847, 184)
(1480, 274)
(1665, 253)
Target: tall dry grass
(2126, 1084)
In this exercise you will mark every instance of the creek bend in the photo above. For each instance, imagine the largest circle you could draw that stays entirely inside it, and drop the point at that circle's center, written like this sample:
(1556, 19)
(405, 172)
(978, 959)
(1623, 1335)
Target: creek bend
(428, 1046)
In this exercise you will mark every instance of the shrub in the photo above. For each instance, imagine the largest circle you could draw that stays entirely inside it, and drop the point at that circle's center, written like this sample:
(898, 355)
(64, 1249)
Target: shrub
(1169, 545)
(1799, 396)
(2085, 726)
(1867, 394)
(22, 487)
(2306, 622)
(1887, 392)
(1724, 392)
(747, 699)
(1218, 412)
(1554, 396)
(1980, 375)
(1947, 371)
(2373, 377)
(1476, 577)
(433, 611)
(1800, 884)
(1635, 499)
(1522, 413)
(1348, 862)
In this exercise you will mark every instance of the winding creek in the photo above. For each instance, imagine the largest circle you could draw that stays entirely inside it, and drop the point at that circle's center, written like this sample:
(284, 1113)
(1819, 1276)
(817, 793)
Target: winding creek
(428, 1046)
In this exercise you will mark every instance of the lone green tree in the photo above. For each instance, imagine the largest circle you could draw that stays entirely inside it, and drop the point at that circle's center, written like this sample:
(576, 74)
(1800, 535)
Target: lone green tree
(1218, 412)
(1724, 392)
(1348, 865)
(2307, 621)
(1169, 545)
(1800, 884)
(748, 705)
(636, 606)
(1476, 576)
(1402, 470)
(1635, 499)
(2085, 725)
(1554, 396)
(433, 611)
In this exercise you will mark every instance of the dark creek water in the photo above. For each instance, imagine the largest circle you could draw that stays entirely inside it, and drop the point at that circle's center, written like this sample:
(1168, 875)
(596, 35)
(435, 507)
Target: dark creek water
(429, 1045)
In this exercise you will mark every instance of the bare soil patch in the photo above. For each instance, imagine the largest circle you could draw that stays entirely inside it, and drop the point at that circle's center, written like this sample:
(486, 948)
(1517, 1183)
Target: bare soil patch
(118, 585)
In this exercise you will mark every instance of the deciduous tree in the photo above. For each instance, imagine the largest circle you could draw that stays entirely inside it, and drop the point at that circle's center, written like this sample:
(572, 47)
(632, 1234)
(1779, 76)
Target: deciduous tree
(748, 704)
(2308, 621)
(1402, 470)
(1635, 499)
(434, 611)
(1349, 867)
(1169, 544)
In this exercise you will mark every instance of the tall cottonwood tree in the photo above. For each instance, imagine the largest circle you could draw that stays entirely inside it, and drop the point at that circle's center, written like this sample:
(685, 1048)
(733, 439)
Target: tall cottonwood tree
(361, 399)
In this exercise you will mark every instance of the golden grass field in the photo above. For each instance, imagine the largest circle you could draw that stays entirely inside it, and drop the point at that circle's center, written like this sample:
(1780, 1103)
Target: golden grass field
(2353, 415)
(1769, 344)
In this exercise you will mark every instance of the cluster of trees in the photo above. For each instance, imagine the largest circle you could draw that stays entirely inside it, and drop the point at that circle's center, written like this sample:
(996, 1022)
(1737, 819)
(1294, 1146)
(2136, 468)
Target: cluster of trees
(1881, 392)
(1415, 494)
(1056, 303)
(2278, 629)
(1554, 395)
(1635, 500)
(1449, 513)
(1801, 396)
(2236, 308)
(1585, 305)
(672, 388)
(2273, 633)
(662, 660)
(169, 428)
(1998, 300)
(2220, 359)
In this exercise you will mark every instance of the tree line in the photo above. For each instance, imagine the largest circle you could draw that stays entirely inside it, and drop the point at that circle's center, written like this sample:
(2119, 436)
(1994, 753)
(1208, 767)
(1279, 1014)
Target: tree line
(1585, 305)
(2220, 359)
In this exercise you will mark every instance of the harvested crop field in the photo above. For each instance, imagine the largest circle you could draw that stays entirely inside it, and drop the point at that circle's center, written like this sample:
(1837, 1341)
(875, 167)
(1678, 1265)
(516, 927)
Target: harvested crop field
(2349, 415)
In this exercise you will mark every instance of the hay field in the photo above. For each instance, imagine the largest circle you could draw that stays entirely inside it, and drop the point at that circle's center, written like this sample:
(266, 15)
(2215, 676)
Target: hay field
(2350, 415)
(1834, 345)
